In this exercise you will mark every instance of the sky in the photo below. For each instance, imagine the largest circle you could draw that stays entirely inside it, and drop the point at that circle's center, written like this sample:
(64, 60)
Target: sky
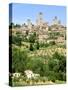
(21, 12)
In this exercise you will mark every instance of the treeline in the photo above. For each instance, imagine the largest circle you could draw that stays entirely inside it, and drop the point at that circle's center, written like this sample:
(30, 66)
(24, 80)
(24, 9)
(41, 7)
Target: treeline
(14, 25)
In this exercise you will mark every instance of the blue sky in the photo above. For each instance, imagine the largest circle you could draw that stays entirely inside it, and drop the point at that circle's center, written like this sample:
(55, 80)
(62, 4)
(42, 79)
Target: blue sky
(22, 12)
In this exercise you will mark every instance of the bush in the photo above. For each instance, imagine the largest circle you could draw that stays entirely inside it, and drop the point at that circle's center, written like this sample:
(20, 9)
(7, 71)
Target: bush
(17, 39)
(52, 43)
(52, 76)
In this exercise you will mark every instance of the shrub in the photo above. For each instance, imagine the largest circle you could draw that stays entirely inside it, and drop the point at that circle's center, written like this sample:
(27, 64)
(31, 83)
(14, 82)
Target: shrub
(52, 43)
(52, 76)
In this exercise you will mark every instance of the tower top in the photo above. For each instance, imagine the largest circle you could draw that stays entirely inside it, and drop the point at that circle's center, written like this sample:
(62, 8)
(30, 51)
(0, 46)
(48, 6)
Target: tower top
(56, 18)
(40, 13)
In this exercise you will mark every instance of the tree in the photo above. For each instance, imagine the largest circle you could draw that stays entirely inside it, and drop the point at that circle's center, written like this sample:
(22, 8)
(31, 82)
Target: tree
(31, 47)
(37, 45)
(32, 40)
(11, 25)
(17, 25)
(17, 39)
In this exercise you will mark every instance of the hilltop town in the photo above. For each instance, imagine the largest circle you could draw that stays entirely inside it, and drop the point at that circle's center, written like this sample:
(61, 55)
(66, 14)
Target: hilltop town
(45, 32)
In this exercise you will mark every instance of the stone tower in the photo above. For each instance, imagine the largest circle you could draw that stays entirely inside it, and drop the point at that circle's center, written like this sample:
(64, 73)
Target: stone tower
(40, 19)
(29, 24)
(55, 21)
